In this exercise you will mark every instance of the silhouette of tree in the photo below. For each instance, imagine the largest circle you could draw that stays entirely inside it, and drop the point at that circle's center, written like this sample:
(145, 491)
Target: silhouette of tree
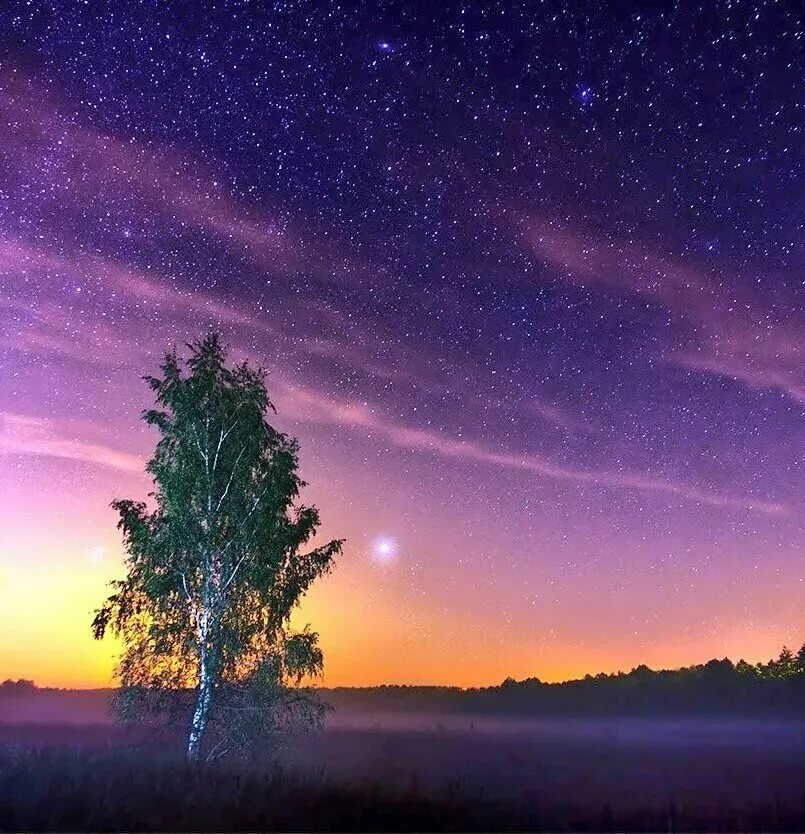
(17, 686)
(786, 664)
(716, 687)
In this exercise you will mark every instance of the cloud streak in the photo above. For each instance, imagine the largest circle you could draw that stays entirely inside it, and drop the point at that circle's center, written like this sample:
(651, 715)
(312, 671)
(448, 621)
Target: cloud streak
(736, 334)
(37, 138)
(23, 435)
(162, 305)
(308, 405)
(63, 300)
(74, 165)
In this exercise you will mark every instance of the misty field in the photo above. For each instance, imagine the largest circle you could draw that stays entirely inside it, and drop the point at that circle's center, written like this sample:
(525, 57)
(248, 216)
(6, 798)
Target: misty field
(386, 771)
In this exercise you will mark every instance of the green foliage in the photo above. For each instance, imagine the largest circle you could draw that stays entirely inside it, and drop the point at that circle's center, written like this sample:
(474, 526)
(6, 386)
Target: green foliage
(215, 561)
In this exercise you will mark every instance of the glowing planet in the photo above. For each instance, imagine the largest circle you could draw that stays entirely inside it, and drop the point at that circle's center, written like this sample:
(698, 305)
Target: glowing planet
(384, 550)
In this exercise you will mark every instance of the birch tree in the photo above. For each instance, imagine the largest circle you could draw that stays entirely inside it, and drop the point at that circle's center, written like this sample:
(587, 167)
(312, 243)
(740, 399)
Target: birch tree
(217, 559)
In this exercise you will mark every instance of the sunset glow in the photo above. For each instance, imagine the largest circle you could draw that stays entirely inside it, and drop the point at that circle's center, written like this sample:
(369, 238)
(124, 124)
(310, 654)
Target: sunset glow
(541, 346)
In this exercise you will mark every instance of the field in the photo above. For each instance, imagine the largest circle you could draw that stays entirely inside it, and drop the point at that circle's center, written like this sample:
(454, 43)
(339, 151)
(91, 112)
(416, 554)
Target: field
(419, 771)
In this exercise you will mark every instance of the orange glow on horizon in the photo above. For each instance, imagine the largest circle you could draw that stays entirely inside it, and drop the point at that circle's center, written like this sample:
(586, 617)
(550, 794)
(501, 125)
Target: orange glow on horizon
(428, 616)
(48, 612)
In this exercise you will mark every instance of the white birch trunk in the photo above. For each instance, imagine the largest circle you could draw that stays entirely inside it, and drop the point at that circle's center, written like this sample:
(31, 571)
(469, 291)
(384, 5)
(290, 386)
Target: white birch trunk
(203, 693)
(201, 712)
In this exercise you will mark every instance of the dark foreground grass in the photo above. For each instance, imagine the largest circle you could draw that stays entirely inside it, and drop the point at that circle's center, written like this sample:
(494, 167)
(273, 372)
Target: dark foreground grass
(66, 789)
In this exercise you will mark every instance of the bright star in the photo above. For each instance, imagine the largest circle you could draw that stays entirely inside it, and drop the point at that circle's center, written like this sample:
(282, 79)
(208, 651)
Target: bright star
(584, 95)
(384, 550)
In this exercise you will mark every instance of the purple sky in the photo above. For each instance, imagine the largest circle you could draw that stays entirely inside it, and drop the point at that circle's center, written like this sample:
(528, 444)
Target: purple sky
(528, 283)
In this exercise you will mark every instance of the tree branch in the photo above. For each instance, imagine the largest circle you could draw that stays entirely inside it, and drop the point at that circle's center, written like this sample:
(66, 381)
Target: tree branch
(232, 575)
(229, 483)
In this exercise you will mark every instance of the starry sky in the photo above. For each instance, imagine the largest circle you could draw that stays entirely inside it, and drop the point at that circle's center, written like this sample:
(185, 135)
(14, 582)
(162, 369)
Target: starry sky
(527, 280)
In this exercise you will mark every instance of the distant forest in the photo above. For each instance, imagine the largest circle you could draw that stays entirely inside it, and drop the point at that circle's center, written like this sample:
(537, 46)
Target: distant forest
(716, 687)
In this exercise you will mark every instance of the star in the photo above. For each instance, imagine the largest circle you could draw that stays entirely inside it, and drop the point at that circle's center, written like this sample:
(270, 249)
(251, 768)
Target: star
(384, 550)
(584, 95)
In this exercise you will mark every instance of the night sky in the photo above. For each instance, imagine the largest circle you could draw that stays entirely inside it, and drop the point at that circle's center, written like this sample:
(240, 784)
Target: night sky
(527, 279)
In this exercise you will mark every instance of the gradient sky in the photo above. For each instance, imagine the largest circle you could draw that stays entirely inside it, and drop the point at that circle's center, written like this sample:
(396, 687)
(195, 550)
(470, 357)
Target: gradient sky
(527, 279)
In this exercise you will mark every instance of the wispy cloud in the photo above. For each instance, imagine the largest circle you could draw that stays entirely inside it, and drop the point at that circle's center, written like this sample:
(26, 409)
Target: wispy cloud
(66, 301)
(147, 301)
(39, 139)
(762, 378)
(305, 404)
(164, 305)
(50, 153)
(25, 435)
(735, 334)
(90, 309)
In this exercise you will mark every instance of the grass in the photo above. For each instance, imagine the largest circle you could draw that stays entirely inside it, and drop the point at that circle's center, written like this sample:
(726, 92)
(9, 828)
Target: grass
(132, 789)
(72, 790)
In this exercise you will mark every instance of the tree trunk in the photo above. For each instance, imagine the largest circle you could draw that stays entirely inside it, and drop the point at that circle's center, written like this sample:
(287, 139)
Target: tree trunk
(202, 710)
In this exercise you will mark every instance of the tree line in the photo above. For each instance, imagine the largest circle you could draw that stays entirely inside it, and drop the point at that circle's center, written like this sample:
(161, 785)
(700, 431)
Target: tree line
(720, 687)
